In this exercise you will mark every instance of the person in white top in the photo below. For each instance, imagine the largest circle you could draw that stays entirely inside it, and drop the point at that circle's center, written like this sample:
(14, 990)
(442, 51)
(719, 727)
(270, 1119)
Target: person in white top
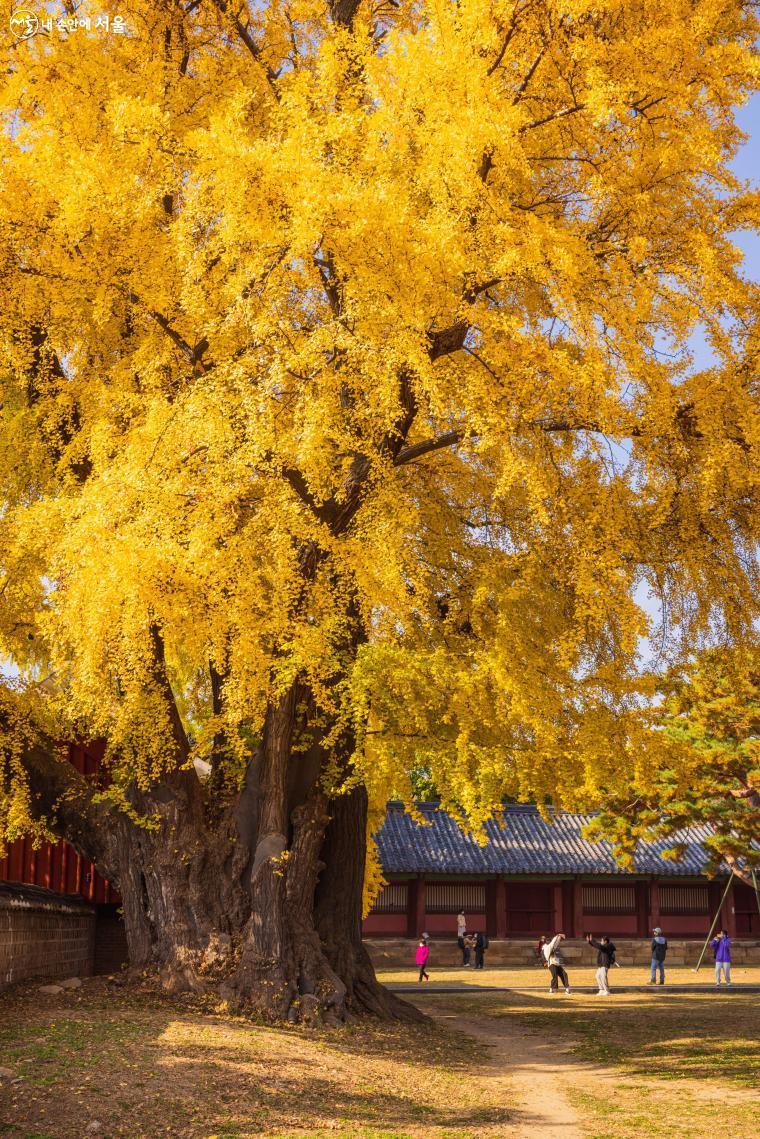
(461, 933)
(553, 959)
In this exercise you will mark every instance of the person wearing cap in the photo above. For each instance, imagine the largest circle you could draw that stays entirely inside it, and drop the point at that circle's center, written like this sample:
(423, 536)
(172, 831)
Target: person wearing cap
(659, 950)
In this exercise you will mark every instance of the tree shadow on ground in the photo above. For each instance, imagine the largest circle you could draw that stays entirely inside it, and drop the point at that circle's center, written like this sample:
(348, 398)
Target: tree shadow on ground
(144, 1066)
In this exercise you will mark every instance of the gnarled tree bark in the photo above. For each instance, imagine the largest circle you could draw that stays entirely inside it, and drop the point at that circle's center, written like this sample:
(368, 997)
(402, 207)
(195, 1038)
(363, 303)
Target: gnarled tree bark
(260, 900)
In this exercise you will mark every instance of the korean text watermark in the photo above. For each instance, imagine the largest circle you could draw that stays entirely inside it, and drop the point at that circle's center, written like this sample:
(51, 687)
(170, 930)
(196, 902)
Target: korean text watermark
(25, 23)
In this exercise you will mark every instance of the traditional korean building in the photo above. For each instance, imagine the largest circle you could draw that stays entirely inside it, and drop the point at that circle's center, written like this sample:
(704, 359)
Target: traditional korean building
(530, 878)
(57, 866)
(533, 878)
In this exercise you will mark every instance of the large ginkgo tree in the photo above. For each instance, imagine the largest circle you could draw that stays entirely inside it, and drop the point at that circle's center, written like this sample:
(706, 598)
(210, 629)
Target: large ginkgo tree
(347, 417)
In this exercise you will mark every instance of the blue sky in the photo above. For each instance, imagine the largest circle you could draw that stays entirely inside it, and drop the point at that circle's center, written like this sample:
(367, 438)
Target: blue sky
(746, 165)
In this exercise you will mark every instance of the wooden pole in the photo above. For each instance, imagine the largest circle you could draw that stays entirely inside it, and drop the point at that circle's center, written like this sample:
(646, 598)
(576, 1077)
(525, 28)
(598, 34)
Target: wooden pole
(716, 919)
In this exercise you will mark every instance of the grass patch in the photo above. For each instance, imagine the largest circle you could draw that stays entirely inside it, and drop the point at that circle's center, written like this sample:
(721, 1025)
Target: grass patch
(633, 1113)
(699, 1036)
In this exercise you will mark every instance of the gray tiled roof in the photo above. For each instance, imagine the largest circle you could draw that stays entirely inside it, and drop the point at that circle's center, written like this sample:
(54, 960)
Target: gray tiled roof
(525, 845)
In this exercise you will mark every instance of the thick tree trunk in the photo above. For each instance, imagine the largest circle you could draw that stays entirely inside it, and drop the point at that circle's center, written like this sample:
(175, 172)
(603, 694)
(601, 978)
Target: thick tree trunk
(180, 882)
(295, 962)
(266, 967)
(258, 899)
(338, 909)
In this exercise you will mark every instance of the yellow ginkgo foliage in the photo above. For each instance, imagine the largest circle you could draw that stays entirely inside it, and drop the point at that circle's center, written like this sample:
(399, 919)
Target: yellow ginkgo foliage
(348, 414)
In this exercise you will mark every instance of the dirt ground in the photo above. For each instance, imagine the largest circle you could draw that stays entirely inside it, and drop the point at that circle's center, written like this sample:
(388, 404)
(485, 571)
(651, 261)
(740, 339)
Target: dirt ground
(116, 1060)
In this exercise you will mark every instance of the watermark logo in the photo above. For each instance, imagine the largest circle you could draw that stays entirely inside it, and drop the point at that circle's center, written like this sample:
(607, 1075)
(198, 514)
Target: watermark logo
(24, 24)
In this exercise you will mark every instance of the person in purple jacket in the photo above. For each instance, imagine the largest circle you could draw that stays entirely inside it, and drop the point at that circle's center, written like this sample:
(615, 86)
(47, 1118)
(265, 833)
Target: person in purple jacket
(721, 947)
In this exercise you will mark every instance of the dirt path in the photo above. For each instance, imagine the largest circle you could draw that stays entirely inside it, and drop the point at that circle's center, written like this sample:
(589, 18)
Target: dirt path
(533, 1072)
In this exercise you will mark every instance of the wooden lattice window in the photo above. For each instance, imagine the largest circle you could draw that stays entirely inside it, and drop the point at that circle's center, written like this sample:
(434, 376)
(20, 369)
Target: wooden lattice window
(451, 897)
(391, 899)
(684, 900)
(609, 900)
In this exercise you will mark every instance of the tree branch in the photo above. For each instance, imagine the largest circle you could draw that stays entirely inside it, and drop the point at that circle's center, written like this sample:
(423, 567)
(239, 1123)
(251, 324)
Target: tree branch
(343, 11)
(326, 268)
(297, 481)
(447, 340)
(246, 38)
(65, 799)
(427, 445)
(505, 43)
(194, 355)
(529, 75)
(551, 118)
(162, 682)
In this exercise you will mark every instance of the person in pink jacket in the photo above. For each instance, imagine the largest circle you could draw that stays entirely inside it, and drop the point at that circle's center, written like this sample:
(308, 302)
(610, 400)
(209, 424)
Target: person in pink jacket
(422, 955)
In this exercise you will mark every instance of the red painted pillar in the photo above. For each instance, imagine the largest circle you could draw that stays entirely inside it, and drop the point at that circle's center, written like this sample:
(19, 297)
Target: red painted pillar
(415, 910)
(16, 859)
(411, 907)
(490, 892)
(642, 908)
(728, 913)
(578, 930)
(64, 884)
(654, 905)
(501, 908)
(558, 915)
(27, 873)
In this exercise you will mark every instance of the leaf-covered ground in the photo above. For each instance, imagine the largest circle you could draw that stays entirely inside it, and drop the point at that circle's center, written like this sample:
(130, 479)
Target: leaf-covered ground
(144, 1066)
(137, 1064)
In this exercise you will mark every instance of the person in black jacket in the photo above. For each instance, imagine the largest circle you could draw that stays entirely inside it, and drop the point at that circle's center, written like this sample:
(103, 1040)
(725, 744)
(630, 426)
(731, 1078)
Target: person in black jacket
(605, 959)
(481, 944)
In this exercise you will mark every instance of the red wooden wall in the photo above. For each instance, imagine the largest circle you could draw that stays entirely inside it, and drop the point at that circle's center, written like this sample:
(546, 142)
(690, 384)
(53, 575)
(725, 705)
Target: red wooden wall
(519, 908)
(57, 866)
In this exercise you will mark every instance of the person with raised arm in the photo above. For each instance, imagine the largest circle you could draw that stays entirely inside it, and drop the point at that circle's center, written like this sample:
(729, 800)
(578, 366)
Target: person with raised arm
(553, 959)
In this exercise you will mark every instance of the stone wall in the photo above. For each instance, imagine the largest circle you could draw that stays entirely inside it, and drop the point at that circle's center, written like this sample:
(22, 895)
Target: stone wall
(392, 953)
(43, 934)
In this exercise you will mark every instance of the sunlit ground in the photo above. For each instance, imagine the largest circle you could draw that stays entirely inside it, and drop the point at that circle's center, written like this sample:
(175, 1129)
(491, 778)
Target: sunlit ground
(536, 977)
(131, 1063)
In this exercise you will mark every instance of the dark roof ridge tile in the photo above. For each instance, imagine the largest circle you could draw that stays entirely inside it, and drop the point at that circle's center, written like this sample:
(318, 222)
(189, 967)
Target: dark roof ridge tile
(525, 844)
